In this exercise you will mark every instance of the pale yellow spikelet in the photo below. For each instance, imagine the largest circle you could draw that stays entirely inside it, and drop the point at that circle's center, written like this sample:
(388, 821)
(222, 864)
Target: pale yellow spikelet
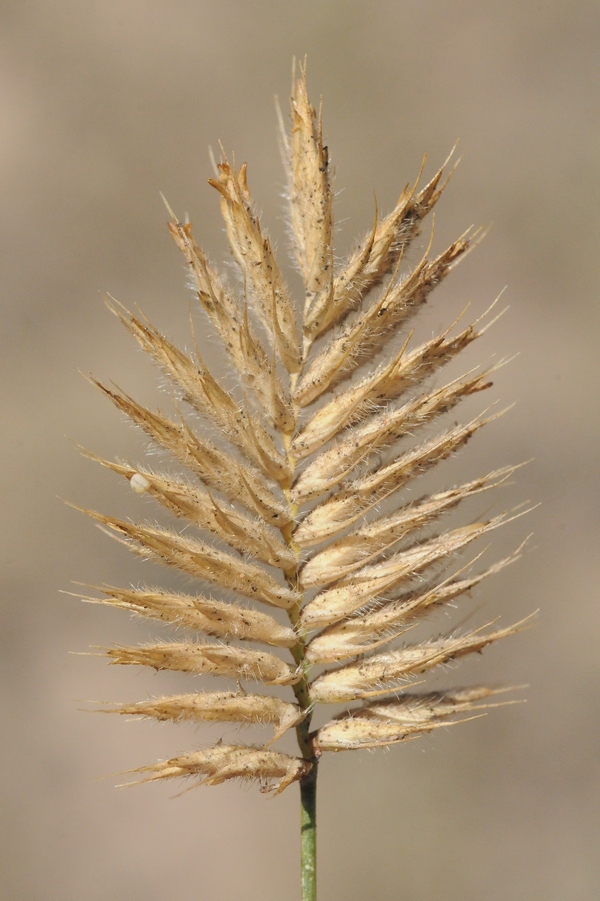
(205, 395)
(249, 535)
(217, 468)
(248, 355)
(289, 456)
(365, 335)
(352, 592)
(329, 468)
(405, 370)
(219, 707)
(422, 707)
(223, 762)
(357, 496)
(253, 252)
(311, 197)
(408, 715)
(201, 614)
(203, 561)
(362, 633)
(214, 659)
(381, 673)
(376, 256)
(366, 543)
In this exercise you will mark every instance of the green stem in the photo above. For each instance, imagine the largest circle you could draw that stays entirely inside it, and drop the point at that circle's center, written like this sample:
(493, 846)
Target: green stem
(308, 835)
(308, 785)
(308, 792)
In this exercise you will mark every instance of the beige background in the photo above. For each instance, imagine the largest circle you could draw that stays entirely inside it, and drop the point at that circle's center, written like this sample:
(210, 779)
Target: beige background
(104, 104)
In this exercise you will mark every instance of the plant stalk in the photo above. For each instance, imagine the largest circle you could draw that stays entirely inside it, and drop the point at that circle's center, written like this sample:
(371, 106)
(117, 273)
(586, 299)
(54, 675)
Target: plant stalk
(308, 835)
(308, 785)
(308, 791)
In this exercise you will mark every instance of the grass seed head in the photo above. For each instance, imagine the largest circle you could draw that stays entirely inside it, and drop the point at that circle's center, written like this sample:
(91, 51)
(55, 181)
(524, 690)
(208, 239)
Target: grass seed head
(281, 507)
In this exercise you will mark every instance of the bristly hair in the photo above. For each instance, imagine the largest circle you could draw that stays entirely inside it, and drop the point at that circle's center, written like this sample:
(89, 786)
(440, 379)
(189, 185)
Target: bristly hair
(291, 486)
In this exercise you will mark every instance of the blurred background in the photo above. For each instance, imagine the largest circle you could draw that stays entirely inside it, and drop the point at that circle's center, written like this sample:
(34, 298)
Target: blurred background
(104, 105)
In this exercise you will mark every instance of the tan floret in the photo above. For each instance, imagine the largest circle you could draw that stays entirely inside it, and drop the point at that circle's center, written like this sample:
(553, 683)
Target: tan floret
(360, 634)
(247, 534)
(379, 674)
(232, 323)
(367, 542)
(203, 614)
(375, 257)
(404, 716)
(214, 659)
(364, 336)
(255, 258)
(203, 561)
(332, 466)
(218, 764)
(370, 582)
(310, 195)
(219, 707)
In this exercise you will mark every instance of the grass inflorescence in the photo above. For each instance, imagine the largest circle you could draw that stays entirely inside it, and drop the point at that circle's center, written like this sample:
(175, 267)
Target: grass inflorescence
(311, 566)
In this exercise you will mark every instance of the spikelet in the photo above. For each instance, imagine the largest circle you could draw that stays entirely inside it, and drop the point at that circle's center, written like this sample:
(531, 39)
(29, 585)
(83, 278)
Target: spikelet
(280, 507)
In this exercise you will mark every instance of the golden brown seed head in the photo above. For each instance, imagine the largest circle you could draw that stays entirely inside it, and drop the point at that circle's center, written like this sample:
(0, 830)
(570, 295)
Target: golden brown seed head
(287, 463)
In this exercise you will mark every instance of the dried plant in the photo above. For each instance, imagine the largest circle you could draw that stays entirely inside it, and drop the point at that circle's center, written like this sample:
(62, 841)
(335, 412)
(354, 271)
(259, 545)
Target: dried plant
(291, 482)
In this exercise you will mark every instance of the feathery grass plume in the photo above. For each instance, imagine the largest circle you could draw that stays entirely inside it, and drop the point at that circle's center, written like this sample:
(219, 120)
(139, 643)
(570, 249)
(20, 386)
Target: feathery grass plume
(281, 507)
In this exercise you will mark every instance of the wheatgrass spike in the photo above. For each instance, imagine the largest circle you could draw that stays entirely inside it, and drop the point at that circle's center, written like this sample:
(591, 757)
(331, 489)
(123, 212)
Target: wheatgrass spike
(278, 490)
